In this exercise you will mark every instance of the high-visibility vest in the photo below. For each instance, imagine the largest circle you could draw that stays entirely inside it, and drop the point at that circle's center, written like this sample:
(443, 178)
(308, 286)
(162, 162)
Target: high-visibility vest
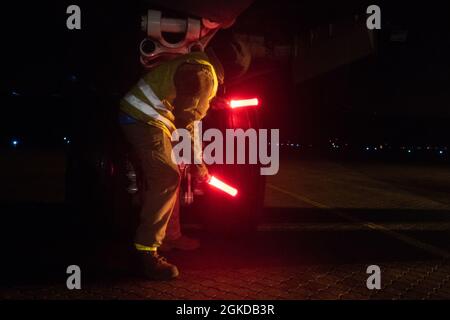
(151, 99)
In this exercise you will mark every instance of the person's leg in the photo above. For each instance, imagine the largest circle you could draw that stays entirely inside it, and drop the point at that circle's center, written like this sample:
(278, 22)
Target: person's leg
(174, 238)
(173, 231)
(161, 178)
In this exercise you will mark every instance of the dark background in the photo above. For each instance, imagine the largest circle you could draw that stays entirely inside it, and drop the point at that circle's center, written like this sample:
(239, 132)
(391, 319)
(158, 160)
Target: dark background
(57, 83)
(398, 95)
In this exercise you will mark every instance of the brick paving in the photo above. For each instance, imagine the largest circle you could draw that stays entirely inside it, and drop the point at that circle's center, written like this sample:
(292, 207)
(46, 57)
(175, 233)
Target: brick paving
(414, 280)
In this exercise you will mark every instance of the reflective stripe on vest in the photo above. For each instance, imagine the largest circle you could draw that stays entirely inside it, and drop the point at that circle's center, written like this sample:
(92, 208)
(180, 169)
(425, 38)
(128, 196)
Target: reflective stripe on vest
(140, 247)
(151, 96)
(149, 110)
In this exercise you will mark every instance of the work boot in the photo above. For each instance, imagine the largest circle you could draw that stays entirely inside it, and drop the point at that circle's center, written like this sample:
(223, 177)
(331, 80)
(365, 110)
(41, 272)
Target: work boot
(155, 267)
(182, 243)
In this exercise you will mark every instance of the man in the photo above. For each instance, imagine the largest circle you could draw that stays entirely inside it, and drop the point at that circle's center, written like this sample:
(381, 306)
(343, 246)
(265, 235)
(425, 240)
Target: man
(172, 95)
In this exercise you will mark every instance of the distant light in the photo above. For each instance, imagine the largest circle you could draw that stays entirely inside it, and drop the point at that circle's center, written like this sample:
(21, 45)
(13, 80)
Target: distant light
(409, 151)
(441, 152)
(15, 142)
(65, 138)
(367, 148)
(15, 93)
(73, 78)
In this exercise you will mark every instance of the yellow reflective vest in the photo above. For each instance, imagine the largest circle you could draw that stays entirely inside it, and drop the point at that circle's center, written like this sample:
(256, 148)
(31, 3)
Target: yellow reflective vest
(151, 99)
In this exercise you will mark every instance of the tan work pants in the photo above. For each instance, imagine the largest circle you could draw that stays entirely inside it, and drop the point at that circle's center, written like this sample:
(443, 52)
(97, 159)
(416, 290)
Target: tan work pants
(161, 180)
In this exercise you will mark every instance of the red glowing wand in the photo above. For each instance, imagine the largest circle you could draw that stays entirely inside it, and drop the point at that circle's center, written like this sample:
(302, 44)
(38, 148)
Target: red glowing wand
(213, 181)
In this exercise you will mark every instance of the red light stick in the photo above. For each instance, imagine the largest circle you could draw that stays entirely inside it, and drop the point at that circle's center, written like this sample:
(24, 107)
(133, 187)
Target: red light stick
(243, 103)
(213, 181)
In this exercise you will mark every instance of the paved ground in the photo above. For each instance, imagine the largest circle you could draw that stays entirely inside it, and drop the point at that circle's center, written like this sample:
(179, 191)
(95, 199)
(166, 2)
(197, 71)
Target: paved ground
(323, 225)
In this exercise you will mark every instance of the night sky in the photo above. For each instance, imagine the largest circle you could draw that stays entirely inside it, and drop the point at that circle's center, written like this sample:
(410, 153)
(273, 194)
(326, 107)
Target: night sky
(403, 89)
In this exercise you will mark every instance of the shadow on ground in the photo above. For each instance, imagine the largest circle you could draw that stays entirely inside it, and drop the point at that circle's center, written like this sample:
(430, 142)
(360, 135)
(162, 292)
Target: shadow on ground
(40, 241)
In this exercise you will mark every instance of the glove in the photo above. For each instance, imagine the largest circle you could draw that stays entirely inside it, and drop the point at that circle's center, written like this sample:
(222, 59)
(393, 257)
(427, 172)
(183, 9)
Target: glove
(202, 175)
(219, 103)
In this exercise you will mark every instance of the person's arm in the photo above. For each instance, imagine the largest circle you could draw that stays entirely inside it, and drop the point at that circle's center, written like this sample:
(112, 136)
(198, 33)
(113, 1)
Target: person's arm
(194, 85)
